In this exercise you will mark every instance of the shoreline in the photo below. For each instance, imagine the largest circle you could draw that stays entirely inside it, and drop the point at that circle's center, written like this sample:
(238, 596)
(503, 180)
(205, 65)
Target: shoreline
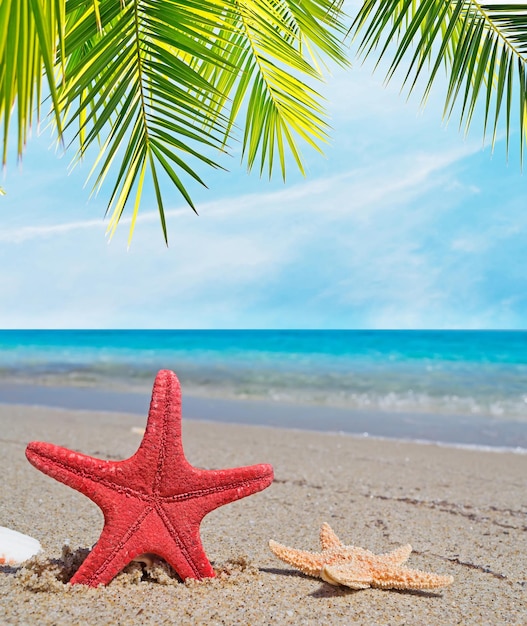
(460, 509)
(463, 431)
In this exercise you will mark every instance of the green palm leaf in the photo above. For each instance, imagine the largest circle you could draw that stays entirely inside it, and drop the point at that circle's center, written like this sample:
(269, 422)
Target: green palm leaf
(156, 85)
(483, 47)
(30, 31)
(276, 46)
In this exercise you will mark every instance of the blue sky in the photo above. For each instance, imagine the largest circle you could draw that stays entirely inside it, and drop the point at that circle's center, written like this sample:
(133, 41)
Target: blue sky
(405, 223)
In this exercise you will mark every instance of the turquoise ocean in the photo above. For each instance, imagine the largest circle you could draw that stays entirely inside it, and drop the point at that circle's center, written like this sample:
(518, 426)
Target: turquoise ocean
(465, 387)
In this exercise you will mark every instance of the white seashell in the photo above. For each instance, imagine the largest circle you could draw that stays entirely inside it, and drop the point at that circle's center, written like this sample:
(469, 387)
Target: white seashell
(15, 548)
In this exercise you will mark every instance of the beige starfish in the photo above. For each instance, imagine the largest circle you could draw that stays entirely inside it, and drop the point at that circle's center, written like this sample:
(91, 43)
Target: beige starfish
(358, 568)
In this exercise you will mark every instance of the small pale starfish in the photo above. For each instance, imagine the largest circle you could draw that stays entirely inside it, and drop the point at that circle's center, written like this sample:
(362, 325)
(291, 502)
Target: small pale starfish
(358, 568)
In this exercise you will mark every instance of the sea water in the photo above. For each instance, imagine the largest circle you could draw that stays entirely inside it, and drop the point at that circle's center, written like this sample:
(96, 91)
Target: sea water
(440, 374)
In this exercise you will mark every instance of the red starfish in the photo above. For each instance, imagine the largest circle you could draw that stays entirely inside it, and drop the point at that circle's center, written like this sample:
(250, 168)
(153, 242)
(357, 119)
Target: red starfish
(155, 500)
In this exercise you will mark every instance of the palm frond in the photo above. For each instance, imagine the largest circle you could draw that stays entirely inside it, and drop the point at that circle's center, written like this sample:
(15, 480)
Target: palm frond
(276, 46)
(156, 85)
(483, 47)
(128, 88)
(30, 31)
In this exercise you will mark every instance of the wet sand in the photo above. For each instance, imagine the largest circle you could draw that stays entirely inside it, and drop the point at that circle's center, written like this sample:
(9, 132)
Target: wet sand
(463, 511)
(473, 430)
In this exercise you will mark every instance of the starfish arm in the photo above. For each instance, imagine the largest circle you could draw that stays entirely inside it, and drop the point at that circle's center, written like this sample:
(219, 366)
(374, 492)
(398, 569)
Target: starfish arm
(310, 563)
(215, 488)
(405, 578)
(397, 556)
(95, 478)
(180, 544)
(97, 570)
(352, 575)
(328, 538)
(233, 484)
(117, 546)
(162, 444)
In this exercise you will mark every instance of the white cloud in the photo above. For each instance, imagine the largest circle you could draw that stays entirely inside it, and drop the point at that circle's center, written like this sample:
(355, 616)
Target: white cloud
(25, 233)
(361, 187)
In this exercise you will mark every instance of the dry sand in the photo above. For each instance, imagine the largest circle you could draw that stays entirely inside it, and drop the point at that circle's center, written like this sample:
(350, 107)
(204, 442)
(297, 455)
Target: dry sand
(464, 512)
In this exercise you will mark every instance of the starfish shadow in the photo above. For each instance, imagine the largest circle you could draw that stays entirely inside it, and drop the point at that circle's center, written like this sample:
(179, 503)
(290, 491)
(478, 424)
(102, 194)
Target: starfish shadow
(325, 590)
(332, 591)
(422, 593)
(283, 572)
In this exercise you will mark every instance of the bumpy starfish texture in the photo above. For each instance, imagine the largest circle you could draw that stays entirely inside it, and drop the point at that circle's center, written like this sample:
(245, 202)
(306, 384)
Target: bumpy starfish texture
(358, 568)
(154, 501)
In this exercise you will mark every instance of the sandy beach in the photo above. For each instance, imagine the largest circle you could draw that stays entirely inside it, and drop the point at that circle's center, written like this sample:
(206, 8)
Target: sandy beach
(463, 511)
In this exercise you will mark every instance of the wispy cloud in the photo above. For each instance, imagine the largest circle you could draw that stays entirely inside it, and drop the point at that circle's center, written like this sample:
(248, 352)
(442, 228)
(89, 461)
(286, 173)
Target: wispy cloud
(25, 233)
(246, 258)
(352, 190)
